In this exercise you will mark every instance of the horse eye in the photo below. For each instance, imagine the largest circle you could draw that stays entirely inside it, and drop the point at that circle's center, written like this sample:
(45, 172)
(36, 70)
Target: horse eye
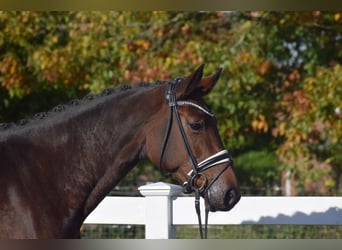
(196, 126)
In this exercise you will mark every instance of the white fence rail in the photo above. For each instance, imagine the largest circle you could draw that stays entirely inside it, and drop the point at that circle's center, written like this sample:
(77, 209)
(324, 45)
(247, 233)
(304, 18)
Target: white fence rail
(162, 207)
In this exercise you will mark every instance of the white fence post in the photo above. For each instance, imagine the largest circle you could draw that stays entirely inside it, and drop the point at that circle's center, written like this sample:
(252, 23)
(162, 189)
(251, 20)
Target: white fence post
(158, 209)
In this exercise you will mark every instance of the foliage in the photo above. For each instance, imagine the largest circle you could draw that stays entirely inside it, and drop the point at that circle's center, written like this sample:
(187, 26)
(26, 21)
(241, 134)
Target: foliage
(265, 168)
(279, 94)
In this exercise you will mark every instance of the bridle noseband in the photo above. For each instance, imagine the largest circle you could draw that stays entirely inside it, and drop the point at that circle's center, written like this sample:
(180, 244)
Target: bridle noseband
(196, 174)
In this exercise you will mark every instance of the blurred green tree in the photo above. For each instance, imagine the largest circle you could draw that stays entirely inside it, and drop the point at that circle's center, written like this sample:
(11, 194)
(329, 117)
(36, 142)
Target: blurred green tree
(278, 102)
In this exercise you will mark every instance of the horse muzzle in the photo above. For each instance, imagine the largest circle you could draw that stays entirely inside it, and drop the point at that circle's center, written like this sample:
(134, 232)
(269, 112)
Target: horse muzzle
(221, 192)
(218, 198)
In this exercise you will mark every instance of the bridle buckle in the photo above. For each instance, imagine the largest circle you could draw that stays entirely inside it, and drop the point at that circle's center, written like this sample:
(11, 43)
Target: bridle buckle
(192, 185)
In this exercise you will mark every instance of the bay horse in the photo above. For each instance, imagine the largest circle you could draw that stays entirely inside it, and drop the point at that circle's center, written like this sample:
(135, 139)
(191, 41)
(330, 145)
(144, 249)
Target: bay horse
(56, 167)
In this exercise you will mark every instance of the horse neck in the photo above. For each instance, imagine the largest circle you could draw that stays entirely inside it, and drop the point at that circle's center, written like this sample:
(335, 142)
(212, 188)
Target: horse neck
(116, 140)
(122, 141)
(81, 154)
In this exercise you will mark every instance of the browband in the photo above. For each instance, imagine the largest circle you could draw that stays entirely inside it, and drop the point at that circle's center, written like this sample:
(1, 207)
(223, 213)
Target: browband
(188, 103)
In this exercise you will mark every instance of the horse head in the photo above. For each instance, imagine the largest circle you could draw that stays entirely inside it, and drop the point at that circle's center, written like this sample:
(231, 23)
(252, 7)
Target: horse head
(188, 146)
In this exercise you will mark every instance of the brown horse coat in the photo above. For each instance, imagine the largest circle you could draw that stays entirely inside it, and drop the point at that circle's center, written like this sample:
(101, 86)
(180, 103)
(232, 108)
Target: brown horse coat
(55, 169)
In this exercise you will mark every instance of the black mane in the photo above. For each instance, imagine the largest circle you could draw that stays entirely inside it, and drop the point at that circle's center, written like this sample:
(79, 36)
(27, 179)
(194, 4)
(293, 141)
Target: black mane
(73, 103)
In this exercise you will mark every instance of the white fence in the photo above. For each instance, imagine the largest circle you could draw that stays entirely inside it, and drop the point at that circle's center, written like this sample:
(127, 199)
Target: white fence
(162, 207)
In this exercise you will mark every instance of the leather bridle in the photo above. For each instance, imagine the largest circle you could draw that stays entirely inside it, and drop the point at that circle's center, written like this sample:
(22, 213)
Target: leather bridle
(196, 174)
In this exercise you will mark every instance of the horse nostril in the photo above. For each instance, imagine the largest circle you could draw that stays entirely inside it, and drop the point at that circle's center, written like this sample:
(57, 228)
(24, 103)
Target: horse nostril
(232, 197)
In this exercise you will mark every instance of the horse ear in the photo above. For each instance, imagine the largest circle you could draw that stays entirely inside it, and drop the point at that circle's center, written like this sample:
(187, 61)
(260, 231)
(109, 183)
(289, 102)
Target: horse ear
(189, 84)
(206, 84)
(195, 83)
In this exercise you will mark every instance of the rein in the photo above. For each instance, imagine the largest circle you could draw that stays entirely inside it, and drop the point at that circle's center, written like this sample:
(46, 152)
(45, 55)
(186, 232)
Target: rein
(197, 168)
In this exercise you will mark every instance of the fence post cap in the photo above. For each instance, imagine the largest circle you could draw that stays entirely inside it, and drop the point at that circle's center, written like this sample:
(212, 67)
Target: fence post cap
(160, 189)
